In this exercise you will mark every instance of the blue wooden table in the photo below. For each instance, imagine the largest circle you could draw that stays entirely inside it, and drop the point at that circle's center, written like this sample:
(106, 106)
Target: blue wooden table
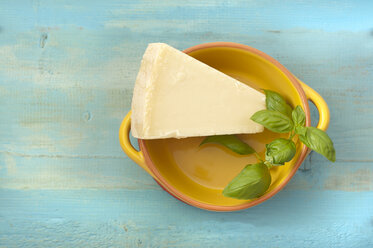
(67, 71)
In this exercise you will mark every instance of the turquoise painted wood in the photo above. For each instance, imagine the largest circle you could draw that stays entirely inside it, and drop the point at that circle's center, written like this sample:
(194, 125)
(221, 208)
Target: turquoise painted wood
(67, 70)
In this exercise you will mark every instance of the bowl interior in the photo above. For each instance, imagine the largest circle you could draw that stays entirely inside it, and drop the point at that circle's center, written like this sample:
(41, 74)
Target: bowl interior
(201, 173)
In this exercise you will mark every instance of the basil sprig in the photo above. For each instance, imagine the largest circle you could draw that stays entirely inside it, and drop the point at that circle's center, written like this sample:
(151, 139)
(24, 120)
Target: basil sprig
(254, 180)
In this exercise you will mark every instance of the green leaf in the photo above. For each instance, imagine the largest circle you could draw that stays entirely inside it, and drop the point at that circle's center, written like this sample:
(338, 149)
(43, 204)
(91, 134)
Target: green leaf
(276, 102)
(300, 130)
(318, 141)
(299, 117)
(280, 151)
(273, 120)
(252, 182)
(231, 142)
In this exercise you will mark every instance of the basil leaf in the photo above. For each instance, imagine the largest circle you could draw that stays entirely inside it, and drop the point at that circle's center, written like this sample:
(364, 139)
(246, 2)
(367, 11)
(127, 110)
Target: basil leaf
(276, 102)
(231, 142)
(252, 182)
(273, 120)
(280, 151)
(300, 130)
(299, 117)
(318, 141)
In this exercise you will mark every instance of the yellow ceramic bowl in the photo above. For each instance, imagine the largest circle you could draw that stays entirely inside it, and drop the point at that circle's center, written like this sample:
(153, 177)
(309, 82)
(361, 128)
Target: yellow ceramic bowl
(197, 175)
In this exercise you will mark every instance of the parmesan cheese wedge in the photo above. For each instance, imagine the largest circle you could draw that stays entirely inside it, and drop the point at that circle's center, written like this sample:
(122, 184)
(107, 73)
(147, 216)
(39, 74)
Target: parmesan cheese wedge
(177, 96)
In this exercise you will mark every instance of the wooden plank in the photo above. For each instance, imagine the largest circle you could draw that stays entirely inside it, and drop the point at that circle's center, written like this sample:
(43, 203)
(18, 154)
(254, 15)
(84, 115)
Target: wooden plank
(151, 218)
(20, 171)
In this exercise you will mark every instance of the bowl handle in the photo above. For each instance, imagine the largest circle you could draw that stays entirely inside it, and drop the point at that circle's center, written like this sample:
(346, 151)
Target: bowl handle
(125, 143)
(322, 107)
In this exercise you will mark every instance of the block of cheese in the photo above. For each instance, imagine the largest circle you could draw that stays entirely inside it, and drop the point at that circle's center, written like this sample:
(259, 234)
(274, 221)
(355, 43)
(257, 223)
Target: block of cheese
(177, 96)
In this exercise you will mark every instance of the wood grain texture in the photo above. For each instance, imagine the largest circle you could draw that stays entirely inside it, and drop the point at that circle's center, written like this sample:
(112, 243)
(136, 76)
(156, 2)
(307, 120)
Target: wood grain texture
(67, 71)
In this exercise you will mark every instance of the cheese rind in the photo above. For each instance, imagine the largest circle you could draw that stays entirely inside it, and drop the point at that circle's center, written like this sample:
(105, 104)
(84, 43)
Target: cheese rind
(177, 96)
